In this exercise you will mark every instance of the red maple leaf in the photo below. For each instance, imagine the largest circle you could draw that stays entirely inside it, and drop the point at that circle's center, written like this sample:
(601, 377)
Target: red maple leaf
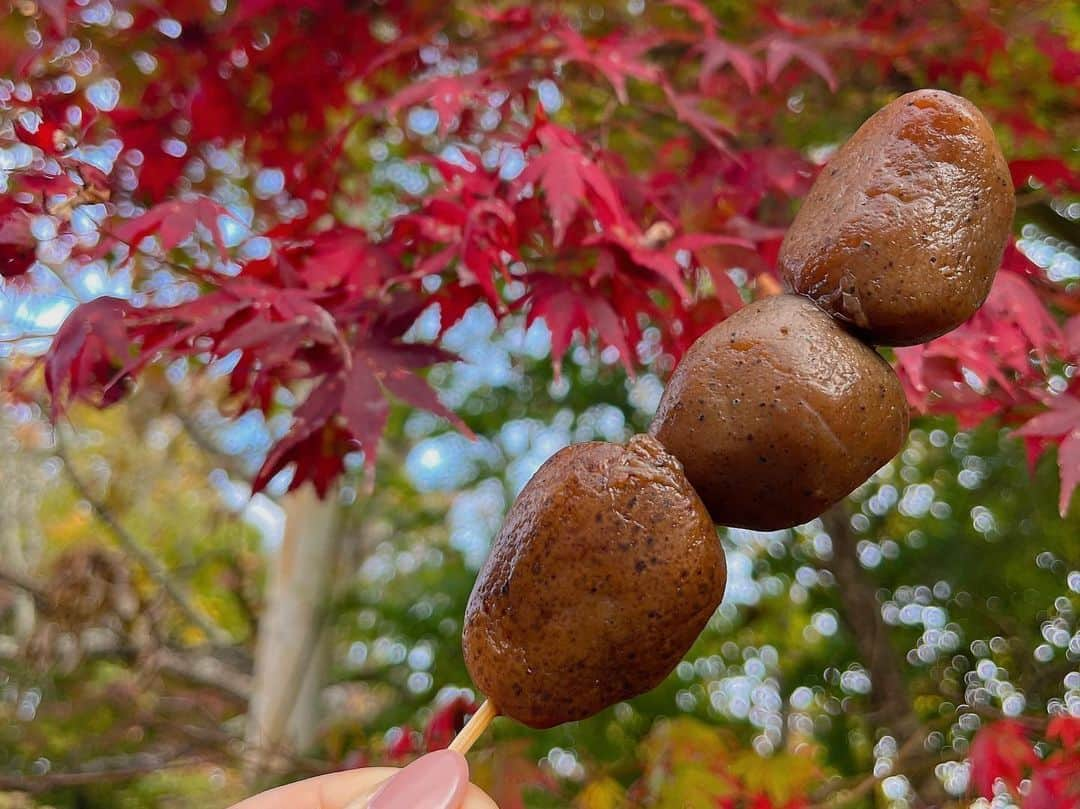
(142, 129)
(616, 57)
(315, 445)
(404, 745)
(569, 306)
(446, 721)
(346, 256)
(780, 51)
(17, 244)
(1061, 422)
(568, 177)
(287, 84)
(1018, 321)
(87, 353)
(46, 135)
(1052, 172)
(56, 11)
(718, 52)
(1000, 750)
(984, 367)
(1072, 336)
(666, 259)
(1066, 730)
(1055, 784)
(697, 11)
(468, 222)
(448, 96)
(172, 222)
(688, 110)
(454, 300)
(1064, 59)
(317, 440)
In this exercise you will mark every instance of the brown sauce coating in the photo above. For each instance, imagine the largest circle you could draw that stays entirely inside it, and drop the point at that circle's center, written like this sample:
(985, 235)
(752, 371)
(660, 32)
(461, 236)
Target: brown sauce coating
(778, 412)
(903, 231)
(603, 575)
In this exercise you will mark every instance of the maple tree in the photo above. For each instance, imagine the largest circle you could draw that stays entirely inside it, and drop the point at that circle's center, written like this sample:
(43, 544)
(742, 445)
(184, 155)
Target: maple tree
(627, 205)
(288, 186)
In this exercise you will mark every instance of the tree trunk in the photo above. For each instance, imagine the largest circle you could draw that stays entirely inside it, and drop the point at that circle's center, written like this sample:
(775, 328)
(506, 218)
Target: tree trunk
(291, 652)
(19, 542)
(891, 702)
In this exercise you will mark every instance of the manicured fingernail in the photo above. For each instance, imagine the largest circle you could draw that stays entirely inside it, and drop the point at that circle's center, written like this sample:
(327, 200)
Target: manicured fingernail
(438, 780)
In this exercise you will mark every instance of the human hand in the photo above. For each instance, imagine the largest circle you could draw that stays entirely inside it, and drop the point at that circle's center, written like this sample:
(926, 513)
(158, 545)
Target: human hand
(354, 788)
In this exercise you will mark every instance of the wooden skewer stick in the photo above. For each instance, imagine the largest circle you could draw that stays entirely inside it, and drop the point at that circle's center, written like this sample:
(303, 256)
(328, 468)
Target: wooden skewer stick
(462, 743)
(474, 728)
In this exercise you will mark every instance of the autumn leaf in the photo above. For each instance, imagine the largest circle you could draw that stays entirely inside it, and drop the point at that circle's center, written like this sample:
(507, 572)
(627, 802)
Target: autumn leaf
(688, 110)
(348, 408)
(346, 256)
(144, 130)
(447, 96)
(508, 771)
(568, 306)
(17, 244)
(691, 786)
(1065, 730)
(1013, 310)
(669, 259)
(716, 53)
(684, 741)
(780, 51)
(405, 745)
(46, 135)
(1051, 172)
(1055, 784)
(172, 222)
(310, 438)
(1064, 58)
(88, 350)
(615, 57)
(446, 721)
(567, 178)
(1062, 422)
(604, 793)
(1000, 750)
(782, 778)
(1072, 336)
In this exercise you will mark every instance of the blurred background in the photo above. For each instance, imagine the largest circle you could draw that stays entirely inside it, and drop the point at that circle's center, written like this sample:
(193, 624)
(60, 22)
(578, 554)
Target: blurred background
(170, 639)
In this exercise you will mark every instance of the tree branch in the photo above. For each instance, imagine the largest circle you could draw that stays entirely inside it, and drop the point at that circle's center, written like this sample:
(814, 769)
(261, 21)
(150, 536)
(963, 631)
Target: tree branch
(27, 585)
(149, 562)
(847, 791)
(123, 768)
(204, 670)
(199, 437)
(862, 613)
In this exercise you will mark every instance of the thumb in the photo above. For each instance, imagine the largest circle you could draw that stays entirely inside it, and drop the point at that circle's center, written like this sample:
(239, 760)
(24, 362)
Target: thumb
(338, 790)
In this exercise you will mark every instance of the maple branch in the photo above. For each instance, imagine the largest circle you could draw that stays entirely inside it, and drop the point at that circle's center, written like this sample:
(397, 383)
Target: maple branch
(204, 670)
(862, 613)
(112, 770)
(153, 566)
(204, 441)
(200, 670)
(844, 792)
